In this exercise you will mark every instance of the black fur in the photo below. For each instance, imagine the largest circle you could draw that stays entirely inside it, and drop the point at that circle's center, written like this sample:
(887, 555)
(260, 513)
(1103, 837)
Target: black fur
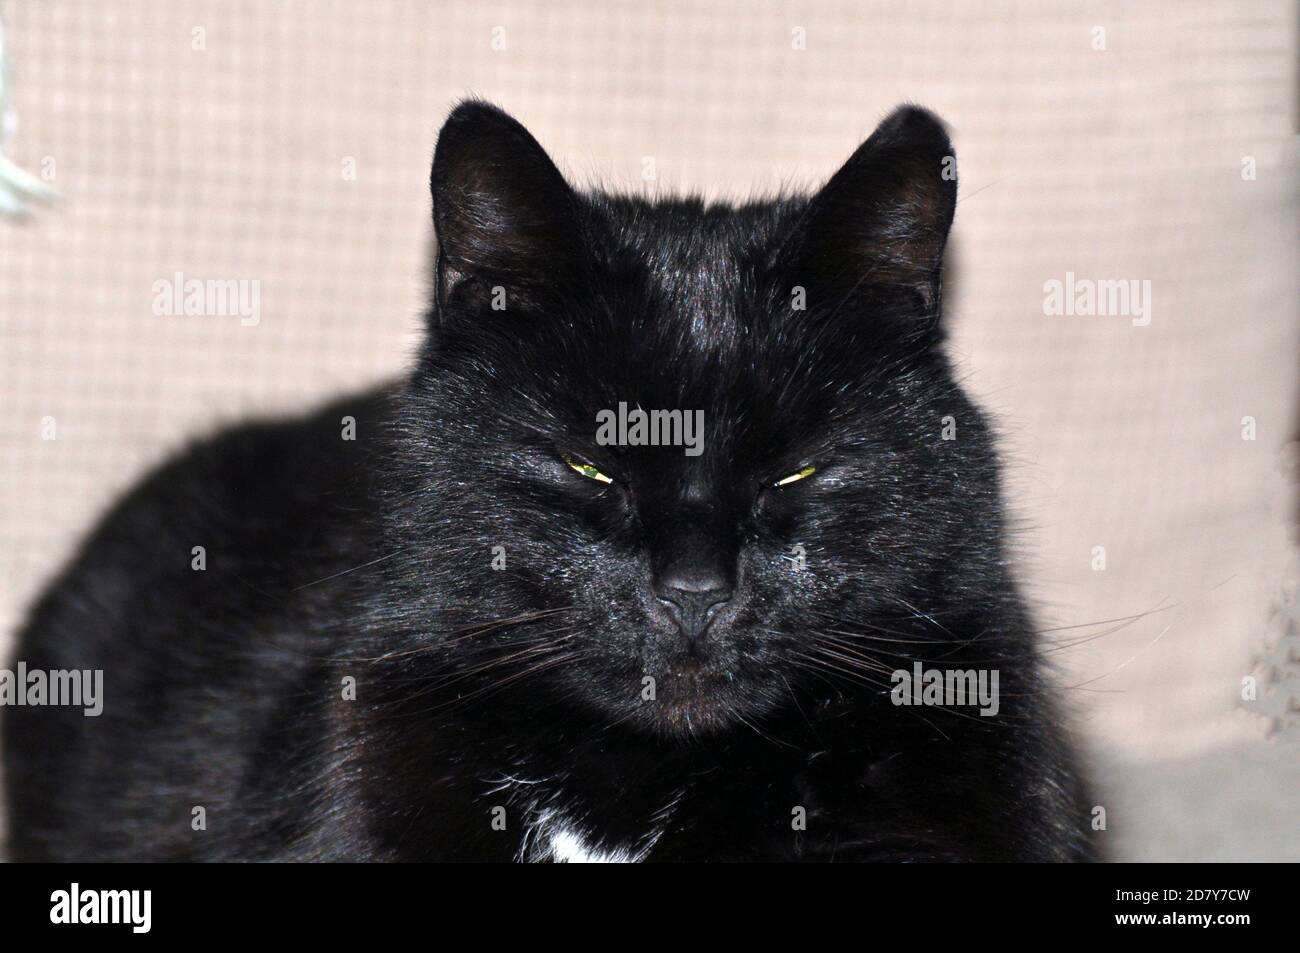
(522, 688)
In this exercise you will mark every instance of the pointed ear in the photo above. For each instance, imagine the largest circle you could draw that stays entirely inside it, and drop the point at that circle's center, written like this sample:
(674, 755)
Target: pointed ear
(879, 226)
(502, 211)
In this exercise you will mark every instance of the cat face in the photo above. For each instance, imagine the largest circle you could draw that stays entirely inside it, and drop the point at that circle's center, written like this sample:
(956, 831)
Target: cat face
(790, 477)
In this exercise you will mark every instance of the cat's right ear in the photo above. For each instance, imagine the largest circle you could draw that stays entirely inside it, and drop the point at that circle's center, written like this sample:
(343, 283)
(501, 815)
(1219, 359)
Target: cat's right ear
(504, 216)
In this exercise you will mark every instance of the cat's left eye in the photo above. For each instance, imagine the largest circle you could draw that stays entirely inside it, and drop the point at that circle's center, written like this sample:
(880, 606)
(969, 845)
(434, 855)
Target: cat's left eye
(803, 474)
(587, 470)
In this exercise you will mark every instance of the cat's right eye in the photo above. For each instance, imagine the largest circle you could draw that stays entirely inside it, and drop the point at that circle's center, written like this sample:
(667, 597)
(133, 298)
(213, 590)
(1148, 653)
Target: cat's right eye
(586, 469)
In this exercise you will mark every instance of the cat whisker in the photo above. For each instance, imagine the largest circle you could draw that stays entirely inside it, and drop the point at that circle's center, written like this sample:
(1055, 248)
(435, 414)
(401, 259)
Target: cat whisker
(918, 614)
(500, 661)
(522, 649)
(944, 658)
(847, 654)
(1120, 623)
(535, 669)
(317, 582)
(857, 635)
(466, 632)
(862, 624)
(851, 673)
(795, 698)
(815, 671)
(479, 628)
(836, 662)
(875, 638)
(1126, 662)
(731, 710)
(858, 677)
(535, 661)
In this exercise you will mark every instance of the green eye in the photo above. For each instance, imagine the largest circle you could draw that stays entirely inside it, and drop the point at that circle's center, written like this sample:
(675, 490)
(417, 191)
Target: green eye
(587, 470)
(796, 477)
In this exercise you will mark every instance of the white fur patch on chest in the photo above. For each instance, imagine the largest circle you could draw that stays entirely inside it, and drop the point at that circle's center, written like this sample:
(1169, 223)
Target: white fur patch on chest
(551, 832)
(569, 847)
(551, 838)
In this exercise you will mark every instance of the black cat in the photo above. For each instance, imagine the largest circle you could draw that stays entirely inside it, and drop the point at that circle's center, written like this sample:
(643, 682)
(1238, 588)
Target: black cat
(483, 629)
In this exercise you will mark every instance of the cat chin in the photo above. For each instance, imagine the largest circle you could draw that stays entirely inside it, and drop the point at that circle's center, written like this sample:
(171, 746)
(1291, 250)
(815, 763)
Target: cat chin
(693, 720)
(694, 701)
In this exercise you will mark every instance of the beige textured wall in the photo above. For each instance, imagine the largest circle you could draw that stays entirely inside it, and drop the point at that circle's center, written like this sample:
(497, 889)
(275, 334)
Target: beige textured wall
(228, 161)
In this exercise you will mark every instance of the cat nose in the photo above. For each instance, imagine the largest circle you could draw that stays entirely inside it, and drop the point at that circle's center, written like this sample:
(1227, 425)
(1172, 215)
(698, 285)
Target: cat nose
(693, 599)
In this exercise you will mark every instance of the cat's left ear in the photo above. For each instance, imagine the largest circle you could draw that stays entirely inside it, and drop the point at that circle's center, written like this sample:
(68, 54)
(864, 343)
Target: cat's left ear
(879, 226)
(503, 213)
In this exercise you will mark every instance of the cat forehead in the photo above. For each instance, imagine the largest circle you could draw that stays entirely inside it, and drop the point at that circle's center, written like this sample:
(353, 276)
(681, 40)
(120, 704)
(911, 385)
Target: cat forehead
(680, 237)
(699, 261)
